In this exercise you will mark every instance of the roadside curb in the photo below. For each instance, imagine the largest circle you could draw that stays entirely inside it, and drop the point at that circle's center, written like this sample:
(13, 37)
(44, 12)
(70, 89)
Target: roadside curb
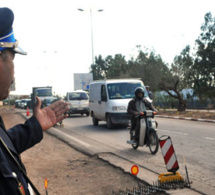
(186, 118)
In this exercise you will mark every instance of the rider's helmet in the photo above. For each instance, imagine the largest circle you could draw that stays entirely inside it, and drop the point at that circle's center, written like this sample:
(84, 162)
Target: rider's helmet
(139, 90)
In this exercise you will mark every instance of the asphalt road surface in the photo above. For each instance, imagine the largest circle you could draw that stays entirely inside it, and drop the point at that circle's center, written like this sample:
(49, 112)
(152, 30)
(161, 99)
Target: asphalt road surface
(193, 143)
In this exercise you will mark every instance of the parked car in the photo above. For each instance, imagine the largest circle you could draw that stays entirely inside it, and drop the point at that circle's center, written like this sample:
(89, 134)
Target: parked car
(24, 103)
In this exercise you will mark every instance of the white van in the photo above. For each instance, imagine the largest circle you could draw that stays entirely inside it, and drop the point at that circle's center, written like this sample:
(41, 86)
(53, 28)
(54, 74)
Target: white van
(109, 100)
(79, 102)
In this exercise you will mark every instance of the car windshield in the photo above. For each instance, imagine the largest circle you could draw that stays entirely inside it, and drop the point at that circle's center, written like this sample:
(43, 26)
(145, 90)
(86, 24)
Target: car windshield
(49, 100)
(25, 101)
(78, 96)
(122, 90)
(43, 92)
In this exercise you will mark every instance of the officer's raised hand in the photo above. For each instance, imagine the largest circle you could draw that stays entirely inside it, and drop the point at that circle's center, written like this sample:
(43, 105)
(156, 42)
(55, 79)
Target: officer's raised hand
(51, 114)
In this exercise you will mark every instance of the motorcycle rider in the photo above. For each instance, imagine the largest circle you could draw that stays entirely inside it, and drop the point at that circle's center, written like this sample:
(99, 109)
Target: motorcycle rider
(136, 106)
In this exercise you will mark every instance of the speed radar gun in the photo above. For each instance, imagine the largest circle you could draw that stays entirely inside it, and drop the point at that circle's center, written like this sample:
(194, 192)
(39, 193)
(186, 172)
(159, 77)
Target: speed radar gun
(170, 160)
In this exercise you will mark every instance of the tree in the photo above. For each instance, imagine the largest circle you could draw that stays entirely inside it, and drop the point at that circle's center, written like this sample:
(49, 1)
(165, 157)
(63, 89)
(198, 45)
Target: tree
(117, 66)
(109, 67)
(177, 77)
(171, 85)
(148, 66)
(99, 69)
(204, 65)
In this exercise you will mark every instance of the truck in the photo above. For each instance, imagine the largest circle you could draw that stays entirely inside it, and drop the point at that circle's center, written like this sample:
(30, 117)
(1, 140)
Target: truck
(42, 93)
(109, 100)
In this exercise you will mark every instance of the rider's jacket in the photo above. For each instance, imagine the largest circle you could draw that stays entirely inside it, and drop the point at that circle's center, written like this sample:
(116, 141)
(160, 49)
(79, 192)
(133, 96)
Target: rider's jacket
(135, 105)
(132, 105)
(17, 140)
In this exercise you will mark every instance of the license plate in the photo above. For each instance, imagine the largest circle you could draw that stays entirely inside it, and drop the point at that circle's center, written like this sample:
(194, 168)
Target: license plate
(149, 113)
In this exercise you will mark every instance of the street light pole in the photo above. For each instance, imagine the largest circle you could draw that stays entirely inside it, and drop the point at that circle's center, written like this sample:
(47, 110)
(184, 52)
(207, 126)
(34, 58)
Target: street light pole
(91, 23)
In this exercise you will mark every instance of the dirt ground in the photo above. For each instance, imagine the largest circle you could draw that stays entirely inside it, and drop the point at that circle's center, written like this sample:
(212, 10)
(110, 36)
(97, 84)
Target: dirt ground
(68, 171)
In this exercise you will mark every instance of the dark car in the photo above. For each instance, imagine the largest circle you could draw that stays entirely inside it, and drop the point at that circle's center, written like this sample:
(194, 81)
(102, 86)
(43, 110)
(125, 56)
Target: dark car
(47, 101)
(24, 103)
(17, 103)
(54, 100)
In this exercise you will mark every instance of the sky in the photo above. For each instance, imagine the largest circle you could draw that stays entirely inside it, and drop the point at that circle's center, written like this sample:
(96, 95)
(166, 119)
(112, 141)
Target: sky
(58, 39)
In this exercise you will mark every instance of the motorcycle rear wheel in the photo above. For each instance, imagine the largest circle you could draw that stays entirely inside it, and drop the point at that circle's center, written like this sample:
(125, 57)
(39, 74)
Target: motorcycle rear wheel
(153, 142)
(135, 146)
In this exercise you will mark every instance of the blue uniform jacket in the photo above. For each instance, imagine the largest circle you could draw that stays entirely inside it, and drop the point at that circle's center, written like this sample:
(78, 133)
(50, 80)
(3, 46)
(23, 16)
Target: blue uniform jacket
(18, 139)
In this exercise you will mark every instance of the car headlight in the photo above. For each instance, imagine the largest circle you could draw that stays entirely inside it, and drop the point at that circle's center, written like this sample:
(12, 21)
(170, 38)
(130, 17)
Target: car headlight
(118, 108)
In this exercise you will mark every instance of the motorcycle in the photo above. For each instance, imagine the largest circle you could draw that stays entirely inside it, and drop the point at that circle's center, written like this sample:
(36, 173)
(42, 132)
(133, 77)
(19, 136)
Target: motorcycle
(147, 133)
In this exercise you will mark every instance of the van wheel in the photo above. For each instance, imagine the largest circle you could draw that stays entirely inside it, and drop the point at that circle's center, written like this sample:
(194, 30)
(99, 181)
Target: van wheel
(95, 121)
(109, 122)
(87, 114)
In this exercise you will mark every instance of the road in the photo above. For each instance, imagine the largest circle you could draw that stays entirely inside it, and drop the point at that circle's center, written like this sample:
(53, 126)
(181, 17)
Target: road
(192, 140)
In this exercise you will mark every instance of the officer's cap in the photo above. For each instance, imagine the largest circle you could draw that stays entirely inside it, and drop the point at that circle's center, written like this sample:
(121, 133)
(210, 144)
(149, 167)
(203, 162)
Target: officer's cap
(7, 39)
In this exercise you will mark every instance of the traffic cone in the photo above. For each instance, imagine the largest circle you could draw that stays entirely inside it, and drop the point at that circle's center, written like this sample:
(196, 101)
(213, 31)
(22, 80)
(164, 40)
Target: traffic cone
(27, 113)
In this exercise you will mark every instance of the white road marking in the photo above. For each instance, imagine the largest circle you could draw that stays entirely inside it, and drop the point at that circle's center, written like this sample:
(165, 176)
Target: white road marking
(180, 133)
(69, 136)
(209, 138)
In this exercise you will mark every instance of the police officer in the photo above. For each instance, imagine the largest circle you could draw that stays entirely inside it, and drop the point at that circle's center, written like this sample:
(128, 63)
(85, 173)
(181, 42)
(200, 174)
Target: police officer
(137, 105)
(13, 177)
